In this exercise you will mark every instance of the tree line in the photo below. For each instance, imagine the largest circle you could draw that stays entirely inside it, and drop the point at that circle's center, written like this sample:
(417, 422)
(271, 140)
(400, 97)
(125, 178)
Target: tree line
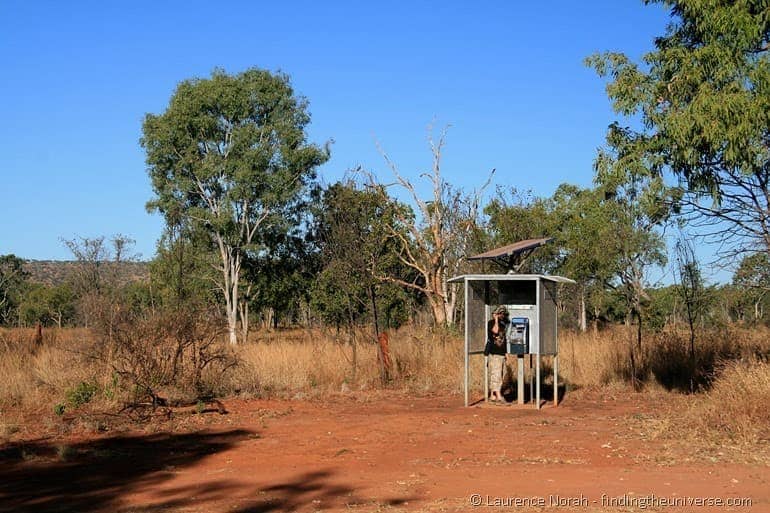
(250, 229)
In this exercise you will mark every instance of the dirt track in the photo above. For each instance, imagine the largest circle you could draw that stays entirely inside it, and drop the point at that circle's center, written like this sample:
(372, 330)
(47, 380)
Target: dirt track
(390, 453)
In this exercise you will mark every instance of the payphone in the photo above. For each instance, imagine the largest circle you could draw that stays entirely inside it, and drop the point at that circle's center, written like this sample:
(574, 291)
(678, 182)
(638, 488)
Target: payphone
(518, 336)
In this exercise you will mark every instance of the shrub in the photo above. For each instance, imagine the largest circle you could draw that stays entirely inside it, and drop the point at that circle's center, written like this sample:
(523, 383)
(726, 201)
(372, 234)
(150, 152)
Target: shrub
(81, 394)
(177, 349)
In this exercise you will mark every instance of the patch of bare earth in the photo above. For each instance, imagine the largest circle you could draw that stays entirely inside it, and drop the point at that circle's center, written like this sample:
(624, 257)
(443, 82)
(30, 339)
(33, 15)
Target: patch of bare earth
(387, 453)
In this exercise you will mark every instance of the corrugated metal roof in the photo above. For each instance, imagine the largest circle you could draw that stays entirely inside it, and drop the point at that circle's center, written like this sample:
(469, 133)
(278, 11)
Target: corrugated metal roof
(512, 249)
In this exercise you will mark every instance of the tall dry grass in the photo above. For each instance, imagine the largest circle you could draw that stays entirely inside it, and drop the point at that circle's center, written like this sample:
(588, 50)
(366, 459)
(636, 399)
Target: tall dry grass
(33, 378)
(281, 363)
(595, 359)
(736, 408)
(730, 372)
(316, 361)
(731, 369)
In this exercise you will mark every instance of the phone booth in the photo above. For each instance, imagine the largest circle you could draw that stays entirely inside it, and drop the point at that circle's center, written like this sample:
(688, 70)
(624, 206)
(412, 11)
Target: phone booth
(530, 300)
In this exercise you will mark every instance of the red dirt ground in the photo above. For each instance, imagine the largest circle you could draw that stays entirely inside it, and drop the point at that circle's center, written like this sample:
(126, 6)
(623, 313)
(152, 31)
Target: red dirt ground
(387, 453)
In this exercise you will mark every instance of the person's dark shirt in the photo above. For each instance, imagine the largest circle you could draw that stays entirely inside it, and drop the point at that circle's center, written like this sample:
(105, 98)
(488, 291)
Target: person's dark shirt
(491, 347)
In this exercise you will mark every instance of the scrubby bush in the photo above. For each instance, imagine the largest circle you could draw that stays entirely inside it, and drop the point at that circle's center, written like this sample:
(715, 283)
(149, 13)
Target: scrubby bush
(154, 354)
(81, 394)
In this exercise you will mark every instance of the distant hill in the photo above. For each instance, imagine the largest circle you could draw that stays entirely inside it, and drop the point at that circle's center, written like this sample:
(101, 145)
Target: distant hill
(56, 272)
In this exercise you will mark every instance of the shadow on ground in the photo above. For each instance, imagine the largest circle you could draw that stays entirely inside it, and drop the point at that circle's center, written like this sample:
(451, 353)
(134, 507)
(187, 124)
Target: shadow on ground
(313, 491)
(102, 475)
(96, 475)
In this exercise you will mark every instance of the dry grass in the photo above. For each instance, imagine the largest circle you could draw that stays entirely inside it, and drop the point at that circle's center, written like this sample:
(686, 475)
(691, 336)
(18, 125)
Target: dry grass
(736, 410)
(731, 367)
(311, 361)
(599, 359)
(35, 379)
(731, 375)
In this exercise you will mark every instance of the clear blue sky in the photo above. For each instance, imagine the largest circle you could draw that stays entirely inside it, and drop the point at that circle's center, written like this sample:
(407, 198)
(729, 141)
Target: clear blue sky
(78, 77)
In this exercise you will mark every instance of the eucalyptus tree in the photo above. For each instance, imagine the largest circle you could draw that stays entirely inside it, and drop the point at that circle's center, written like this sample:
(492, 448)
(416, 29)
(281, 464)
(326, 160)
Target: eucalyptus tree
(702, 99)
(753, 279)
(356, 227)
(360, 255)
(230, 156)
(583, 228)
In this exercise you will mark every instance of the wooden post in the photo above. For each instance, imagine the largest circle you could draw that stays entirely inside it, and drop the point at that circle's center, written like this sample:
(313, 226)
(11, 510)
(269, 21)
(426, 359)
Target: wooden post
(520, 379)
(38, 340)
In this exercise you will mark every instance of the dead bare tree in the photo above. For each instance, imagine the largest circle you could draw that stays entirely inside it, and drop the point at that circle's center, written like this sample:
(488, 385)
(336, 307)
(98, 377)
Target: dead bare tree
(97, 275)
(438, 237)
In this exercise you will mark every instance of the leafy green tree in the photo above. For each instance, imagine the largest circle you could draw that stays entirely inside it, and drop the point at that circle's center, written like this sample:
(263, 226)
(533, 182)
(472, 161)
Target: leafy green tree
(359, 253)
(281, 279)
(702, 98)
(12, 280)
(361, 256)
(665, 307)
(753, 278)
(230, 157)
(48, 305)
(514, 215)
(582, 226)
(636, 204)
(182, 271)
(33, 307)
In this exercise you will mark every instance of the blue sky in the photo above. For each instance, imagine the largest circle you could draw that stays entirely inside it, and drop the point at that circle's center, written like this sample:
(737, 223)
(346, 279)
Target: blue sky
(78, 77)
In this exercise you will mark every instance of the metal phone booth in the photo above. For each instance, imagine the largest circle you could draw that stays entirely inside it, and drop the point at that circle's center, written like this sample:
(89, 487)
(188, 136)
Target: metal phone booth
(531, 303)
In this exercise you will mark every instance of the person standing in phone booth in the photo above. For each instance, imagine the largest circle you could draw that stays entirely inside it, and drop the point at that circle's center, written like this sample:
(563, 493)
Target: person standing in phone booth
(495, 349)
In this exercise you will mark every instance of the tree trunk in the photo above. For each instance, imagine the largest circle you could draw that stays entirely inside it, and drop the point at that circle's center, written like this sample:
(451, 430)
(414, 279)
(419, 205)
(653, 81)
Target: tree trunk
(232, 324)
(439, 311)
(450, 301)
(583, 315)
(244, 315)
(267, 319)
(380, 355)
(632, 361)
(639, 329)
(596, 320)
(353, 344)
(231, 268)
